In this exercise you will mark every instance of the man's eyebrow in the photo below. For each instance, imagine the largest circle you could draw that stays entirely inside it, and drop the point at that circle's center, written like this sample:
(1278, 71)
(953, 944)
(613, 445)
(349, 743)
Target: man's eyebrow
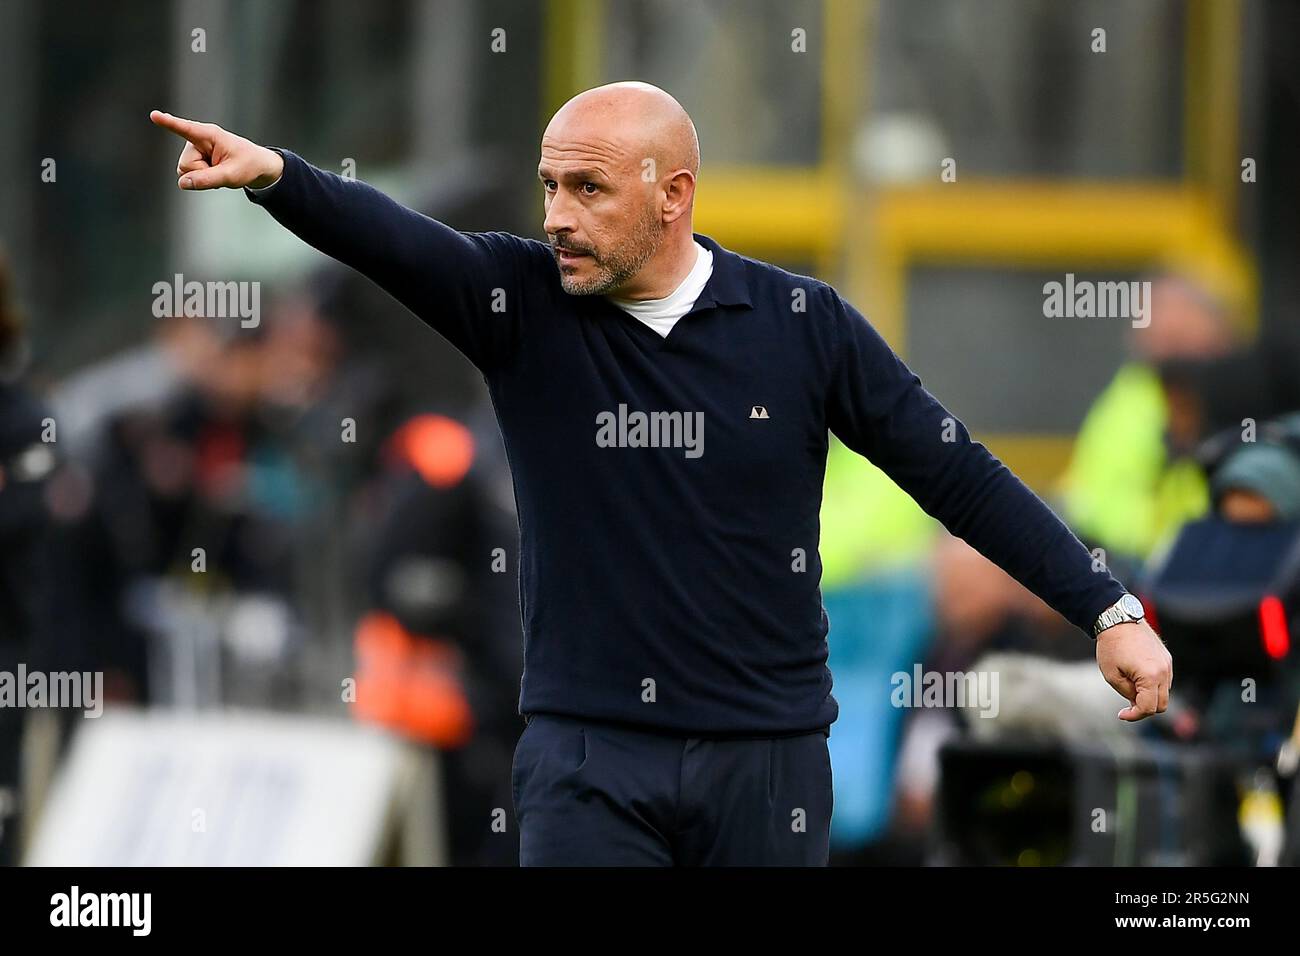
(583, 174)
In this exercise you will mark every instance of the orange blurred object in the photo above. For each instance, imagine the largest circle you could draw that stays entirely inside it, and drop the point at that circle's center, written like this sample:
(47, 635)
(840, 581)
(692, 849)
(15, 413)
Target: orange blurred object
(410, 683)
(440, 449)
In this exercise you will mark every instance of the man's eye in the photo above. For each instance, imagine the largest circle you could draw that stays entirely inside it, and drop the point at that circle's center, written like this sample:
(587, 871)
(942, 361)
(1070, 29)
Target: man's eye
(548, 185)
(590, 189)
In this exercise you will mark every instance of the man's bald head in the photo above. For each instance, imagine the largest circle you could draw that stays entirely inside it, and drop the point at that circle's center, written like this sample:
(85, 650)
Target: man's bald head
(637, 118)
(618, 165)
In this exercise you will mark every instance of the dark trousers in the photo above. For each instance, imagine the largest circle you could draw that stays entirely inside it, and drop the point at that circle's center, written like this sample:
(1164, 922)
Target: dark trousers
(594, 794)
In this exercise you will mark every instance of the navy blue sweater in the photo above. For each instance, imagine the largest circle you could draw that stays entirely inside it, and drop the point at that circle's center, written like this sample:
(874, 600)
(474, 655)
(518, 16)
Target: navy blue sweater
(661, 580)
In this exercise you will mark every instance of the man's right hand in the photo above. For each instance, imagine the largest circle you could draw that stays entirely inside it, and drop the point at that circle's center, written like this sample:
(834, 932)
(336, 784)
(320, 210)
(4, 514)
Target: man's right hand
(213, 157)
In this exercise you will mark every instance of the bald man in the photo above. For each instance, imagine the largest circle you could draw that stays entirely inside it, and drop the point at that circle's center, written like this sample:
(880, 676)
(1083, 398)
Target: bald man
(665, 404)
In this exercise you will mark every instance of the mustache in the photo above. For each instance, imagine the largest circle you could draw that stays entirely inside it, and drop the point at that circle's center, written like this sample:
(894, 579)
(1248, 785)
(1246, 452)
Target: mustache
(558, 246)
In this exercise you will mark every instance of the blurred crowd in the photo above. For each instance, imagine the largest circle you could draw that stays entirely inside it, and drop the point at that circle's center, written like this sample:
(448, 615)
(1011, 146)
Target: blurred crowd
(260, 517)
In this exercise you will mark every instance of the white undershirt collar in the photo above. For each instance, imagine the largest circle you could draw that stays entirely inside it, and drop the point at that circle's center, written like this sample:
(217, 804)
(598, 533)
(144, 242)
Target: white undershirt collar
(662, 314)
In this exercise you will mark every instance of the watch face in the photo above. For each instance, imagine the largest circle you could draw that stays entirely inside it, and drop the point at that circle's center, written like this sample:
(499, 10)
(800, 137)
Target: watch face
(1131, 606)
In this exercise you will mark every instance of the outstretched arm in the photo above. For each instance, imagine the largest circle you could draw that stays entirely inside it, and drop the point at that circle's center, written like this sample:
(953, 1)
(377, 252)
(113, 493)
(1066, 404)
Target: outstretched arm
(879, 408)
(467, 286)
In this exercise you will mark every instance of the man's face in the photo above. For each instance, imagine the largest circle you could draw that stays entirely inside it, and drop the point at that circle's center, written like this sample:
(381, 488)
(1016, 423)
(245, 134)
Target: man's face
(601, 218)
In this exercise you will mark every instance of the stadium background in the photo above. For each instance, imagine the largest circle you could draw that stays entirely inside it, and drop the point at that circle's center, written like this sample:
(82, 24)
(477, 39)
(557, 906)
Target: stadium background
(825, 127)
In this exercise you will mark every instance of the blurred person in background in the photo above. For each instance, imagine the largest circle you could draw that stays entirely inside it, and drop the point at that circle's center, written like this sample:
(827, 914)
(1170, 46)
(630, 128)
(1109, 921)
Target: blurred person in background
(1258, 484)
(1259, 481)
(1131, 480)
(26, 462)
(115, 504)
(328, 406)
(439, 648)
(172, 520)
(1226, 591)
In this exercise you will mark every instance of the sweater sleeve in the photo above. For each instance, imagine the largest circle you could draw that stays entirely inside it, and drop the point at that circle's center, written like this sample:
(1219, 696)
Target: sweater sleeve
(878, 407)
(467, 286)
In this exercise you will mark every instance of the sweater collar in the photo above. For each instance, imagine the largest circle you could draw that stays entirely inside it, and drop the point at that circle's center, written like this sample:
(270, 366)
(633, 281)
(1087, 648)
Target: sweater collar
(729, 284)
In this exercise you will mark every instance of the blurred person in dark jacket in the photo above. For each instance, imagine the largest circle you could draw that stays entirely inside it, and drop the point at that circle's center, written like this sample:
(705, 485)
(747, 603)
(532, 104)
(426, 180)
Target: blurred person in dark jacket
(439, 649)
(26, 461)
(172, 514)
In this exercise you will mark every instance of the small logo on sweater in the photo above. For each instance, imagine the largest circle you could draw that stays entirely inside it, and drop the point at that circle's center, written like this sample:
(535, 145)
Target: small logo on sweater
(624, 429)
(758, 411)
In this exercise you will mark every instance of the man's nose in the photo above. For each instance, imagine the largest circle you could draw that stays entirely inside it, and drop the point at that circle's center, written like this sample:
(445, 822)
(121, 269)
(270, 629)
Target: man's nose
(559, 216)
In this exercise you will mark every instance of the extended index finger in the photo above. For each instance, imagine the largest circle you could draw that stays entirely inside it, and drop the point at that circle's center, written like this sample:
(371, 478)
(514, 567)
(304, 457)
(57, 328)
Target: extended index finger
(196, 133)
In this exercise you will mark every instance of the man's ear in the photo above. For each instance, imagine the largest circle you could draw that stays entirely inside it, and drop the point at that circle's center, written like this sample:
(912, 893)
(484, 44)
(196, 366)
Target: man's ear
(679, 193)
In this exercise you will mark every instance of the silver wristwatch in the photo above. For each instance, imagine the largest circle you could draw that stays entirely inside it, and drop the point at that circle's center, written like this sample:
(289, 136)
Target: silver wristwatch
(1126, 609)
